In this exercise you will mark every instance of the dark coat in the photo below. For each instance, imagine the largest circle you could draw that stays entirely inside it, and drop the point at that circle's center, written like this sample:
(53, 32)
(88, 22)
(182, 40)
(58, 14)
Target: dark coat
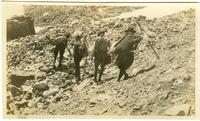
(123, 50)
(61, 42)
(101, 49)
(128, 43)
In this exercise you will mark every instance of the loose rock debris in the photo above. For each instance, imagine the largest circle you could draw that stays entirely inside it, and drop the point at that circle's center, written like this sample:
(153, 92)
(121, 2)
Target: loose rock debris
(157, 87)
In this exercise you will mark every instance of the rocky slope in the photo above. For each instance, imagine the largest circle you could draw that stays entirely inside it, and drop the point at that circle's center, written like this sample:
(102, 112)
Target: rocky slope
(156, 87)
(60, 14)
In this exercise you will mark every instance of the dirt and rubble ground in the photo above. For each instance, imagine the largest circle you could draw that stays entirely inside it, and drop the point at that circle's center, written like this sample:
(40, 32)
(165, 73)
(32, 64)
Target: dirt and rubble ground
(164, 87)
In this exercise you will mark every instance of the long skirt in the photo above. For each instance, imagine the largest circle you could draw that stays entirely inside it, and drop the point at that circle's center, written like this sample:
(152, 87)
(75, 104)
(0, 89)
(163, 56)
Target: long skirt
(124, 60)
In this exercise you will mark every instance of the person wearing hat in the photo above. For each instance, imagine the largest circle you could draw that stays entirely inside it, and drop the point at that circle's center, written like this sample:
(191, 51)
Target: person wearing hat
(101, 56)
(79, 52)
(60, 42)
(124, 51)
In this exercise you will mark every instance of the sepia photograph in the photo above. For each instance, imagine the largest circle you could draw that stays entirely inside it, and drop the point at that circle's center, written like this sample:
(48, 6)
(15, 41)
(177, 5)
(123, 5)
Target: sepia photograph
(115, 60)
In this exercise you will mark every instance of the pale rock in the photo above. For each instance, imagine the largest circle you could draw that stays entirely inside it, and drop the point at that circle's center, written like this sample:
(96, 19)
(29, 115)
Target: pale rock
(41, 106)
(26, 88)
(40, 76)
(44, 69)
(103, 97)
(56, 98)
(178, 110)
(32, 103)
(100, 97)
(51, 92)
(178, 82)
(82, 85)
(176, 100)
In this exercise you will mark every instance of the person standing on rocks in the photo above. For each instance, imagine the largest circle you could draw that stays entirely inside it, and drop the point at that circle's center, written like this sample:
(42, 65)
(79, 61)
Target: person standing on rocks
(60, 44)
(79, 52)
(124, 51)
(101, 56)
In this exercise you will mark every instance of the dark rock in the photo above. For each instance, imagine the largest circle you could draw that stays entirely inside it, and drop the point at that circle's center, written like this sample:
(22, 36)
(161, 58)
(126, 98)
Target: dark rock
(178, 82)
(40, 87)
(186, 78)
(15, 91)
(28, 96)
(22, 104)
(19, 78)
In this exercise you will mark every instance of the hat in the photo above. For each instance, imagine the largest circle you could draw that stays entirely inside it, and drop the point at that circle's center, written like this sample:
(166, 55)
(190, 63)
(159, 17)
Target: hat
(78, 37)
(101, 32)
(130, 29)
(67, 35)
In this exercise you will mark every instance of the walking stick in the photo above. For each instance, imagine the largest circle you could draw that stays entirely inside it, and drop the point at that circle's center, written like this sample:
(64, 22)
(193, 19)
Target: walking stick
(148, 41)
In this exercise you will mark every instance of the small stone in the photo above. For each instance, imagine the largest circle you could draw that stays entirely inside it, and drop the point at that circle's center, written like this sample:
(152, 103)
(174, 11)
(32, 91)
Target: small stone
(44, 69)
(40, 76)
(103, 97)
(28, 96)
(178, 110)
(67, 102)
(22, 104)
(82, 108)
(41, 106)
(176, 100)
(83, 63)
(40, 86)
(32, 103)
(57, 98)
(178, 82)
(19, 78)
(51, 92)
(121, 104)
(66, 84)
(137, 107)
(59, 82)
(82, 85)
(166, 84)
(15, 91)
(26, 88)
(93, 102)
(187, 78)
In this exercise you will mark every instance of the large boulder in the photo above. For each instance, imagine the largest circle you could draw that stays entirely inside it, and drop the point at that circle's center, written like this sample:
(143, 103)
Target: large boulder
(19, 78)
(20, 26)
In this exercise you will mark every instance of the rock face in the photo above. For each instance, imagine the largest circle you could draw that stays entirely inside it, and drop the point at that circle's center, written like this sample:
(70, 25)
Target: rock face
(19, 78)
(20, 26)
